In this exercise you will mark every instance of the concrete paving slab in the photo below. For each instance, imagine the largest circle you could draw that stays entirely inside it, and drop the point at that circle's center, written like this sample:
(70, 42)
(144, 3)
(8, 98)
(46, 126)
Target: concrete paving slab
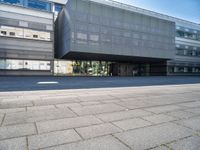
(67, 123)
(191, 143)
(132, 123)
(181, 114)
(101, 143)
(39, 115)
(193, 123)
(163, 109)
(191, 104)
(97, 130)
(17, 131)
(150, 137)
(52, 139)
(108, 117)
(97, 109)
(161, 148)
(159, 118)
(14, 144)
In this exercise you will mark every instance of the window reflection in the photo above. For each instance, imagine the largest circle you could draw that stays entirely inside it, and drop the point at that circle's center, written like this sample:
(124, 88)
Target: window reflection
(187, 35)
(12, 64)
(79, 68)
(36, 4)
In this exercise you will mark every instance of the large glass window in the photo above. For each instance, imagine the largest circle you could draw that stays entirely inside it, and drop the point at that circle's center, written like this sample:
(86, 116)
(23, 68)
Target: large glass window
(188, 35)
(86, 68)
(18, 2)
(12, 64)
(58, 7)
(37, 4)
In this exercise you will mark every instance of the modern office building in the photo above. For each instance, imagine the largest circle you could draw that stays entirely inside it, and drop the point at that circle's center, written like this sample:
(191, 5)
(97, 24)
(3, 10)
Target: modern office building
(94, 37)
(103, 37)
(27, 36)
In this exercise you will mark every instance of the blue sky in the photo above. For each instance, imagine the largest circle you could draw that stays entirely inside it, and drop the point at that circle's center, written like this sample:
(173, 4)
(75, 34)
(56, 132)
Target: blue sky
(184, 9)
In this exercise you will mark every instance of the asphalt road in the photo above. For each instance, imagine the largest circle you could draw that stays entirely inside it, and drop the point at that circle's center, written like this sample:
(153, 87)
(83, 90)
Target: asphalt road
(12, 83)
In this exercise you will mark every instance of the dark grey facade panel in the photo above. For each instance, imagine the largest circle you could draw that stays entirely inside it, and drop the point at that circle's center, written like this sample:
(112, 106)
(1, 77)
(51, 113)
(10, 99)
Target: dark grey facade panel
(96, 28)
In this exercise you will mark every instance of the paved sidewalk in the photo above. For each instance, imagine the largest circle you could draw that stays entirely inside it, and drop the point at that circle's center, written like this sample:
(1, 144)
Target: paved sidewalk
(162, 117)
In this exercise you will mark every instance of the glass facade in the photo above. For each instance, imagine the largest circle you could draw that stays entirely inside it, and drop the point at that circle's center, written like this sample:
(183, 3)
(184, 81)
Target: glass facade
(82, 68)
(184, 50)
(13, 64)
(35, 4)
(58, 7)
(188, 33)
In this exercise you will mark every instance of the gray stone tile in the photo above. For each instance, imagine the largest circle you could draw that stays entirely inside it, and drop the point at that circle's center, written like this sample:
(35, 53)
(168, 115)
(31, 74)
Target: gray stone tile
(132, 123)
(191, 143)
(55, 100)
(52, 139)
(14, 144)
(15, 103)
(68, 105)
(162, 109)
(193, 123)
(161, 148)
(153, 136)
(181, 114)
(96, 109)
(101, 143)
(1, 118)
(36, 108)
(123, 115)
(67, 123)
(90, 103)
(194, 110)
(159, 118)
(16, 131)
(95, 97)
(191, 104)
(97, 130)
(134, 104)
(10, 110)
(33, 116)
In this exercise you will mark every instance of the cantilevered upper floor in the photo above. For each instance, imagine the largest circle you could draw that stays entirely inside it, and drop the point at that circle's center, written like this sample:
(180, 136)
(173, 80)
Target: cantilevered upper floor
(102, 31)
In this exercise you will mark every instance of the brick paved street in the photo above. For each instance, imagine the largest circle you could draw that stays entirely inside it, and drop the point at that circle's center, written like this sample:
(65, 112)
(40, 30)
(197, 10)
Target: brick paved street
(159, 117)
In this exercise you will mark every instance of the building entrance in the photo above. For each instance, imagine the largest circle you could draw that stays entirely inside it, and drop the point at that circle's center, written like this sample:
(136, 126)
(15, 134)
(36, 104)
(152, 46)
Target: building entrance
(126, 69)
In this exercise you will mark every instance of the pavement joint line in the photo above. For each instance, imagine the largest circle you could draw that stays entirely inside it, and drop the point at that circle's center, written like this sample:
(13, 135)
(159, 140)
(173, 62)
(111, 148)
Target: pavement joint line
(55, 106)
(145, 119)
(121, 141)
(117, 127)
(1, 123)
(27, 146)
(36, 128)
(78, 133)
(74, 112)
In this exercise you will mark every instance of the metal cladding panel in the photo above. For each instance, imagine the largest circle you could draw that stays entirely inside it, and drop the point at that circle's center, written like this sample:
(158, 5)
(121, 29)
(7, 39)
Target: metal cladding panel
(26, 49)
(102, 29)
